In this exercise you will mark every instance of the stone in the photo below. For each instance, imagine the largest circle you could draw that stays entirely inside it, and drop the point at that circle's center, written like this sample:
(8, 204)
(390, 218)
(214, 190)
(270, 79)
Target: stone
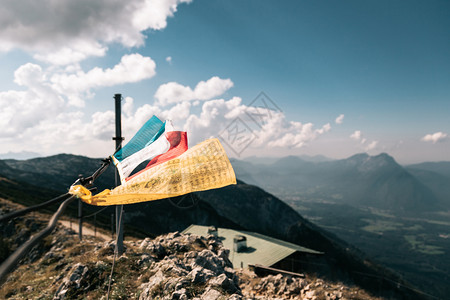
(211, 294)
(224, 255)
(310, 294)
(179, 294)
(197, 275)
(145, 258)
(73, 281)
(225, 283)
(209, 260)
(154, 282)
(78, 273)
(157, 249)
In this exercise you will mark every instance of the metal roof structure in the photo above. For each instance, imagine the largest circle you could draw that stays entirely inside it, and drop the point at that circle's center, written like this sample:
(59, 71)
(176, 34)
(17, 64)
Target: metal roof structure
(261, 249)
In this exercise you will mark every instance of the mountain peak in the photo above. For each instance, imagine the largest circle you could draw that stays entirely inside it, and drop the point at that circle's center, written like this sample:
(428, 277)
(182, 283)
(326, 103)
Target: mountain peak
(366, 162)
(289, 160)
(385, 156)
(359, 156)
(382, 160)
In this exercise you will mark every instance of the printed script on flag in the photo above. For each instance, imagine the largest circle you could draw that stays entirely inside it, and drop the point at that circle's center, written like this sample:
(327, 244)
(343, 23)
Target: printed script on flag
(203, 167)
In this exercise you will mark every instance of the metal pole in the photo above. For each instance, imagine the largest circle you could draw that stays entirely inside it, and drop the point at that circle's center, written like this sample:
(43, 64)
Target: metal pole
(112, 226)
(118, 138)
(80, 219)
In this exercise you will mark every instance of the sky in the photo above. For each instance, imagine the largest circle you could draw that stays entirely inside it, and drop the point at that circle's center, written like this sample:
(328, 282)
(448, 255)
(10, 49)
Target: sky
(266, 77)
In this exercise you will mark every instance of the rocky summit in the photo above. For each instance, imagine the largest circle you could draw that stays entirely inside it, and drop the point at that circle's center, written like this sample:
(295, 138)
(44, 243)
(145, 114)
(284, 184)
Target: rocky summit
(170, 266)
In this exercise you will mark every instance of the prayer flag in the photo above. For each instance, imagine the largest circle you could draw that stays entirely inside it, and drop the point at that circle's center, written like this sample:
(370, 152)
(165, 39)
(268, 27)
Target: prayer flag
(202, 167)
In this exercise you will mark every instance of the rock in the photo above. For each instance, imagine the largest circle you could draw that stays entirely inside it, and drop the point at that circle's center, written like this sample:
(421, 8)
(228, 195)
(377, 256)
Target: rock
(51, 257)
(225, 254)
(143, 245)
(79, 271)
(179, 294)
(145, 258)
(72, 281)
(190, 254)
(156, 249)
(193, 274)
(156, 279)
(151, 286)
(197, 275)
(174, 266)
(310, 294)
(181, 284)
(225, 283)
(211, 294)
(209, 260)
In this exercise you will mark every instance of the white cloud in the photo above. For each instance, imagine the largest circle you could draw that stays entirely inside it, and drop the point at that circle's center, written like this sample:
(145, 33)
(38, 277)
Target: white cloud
(169, 59)
(127, 107)
(46, 95)
(103, 125)
(211, 88)
(371, 146)
(153, 13)
(78, 85)
(276, 131)
(66, 31)
(356, 135)
(339, 119)
(435, 137)
(178, 113)
(91, 135)
(173, 92)
(364, 143)
(24, 109)
(295, 134)
(44, 113)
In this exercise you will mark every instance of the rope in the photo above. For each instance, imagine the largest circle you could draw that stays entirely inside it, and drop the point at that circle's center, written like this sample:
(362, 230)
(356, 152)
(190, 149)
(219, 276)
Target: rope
(20, 252)
(116, 252)
(24, 211)
(97, 212)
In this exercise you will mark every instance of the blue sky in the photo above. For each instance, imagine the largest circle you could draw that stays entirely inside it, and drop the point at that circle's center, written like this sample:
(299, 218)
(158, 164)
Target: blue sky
(382, 66)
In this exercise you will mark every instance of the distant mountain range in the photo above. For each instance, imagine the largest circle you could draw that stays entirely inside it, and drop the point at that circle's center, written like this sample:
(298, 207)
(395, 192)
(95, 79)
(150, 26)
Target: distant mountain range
(56, 172)
(19, 155)
(360, 180)
(271, 160)
(240, 206)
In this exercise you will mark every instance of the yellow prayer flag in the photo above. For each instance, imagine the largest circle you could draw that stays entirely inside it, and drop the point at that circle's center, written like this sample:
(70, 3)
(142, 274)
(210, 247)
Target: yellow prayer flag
(202, 167)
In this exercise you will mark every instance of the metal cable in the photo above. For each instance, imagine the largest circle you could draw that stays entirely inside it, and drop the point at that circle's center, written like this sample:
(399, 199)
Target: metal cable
(116, 252)
(97, 212)
(370, 275)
